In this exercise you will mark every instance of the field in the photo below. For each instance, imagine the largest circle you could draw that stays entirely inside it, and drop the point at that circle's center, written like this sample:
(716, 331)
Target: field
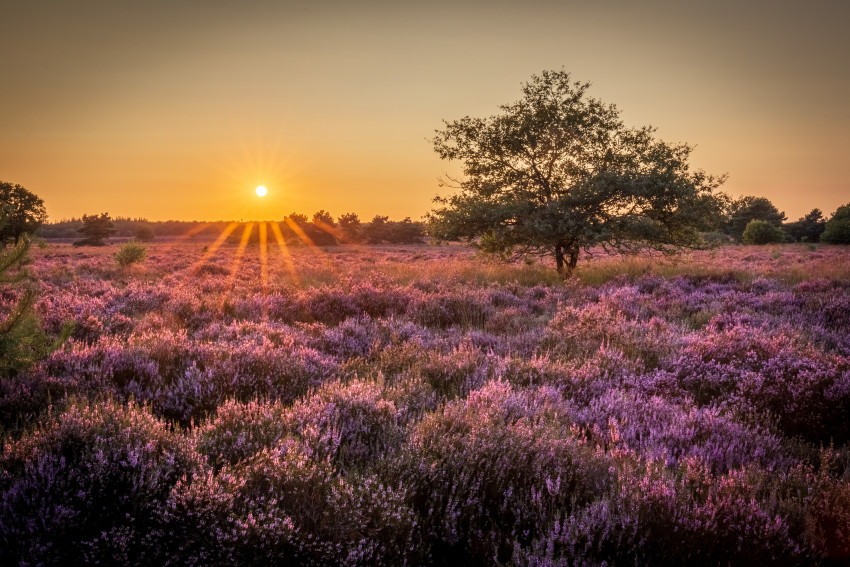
(422, 405)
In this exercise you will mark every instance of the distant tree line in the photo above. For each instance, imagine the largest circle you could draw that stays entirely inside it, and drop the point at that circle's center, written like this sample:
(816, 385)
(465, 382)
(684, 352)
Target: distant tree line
(296, 229)
(755, 220)
(749, 220)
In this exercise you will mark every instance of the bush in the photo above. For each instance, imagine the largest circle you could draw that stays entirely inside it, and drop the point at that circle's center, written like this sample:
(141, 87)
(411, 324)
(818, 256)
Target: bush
(131, 253)
(495, 470)
(86, 486)
(283, 508)
(762, 232)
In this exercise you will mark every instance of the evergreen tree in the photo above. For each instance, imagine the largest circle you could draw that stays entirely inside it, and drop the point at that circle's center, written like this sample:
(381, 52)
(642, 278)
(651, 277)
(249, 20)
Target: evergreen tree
(22, 340)
(96, 228)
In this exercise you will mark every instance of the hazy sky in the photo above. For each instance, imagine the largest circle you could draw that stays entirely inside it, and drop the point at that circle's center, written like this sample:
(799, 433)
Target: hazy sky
(178, 110)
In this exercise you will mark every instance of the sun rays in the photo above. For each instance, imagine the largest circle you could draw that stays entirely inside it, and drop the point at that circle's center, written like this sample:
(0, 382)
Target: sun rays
(254, 237)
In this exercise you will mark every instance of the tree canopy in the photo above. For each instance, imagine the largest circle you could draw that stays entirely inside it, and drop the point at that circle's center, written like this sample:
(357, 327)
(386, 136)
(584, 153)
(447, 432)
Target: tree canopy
(95, 229)
(557, 172)
(807, 228)
(838, 227)
(23, 212)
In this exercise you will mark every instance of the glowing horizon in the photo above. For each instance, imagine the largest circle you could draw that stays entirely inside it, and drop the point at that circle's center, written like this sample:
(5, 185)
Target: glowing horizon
(162, 114)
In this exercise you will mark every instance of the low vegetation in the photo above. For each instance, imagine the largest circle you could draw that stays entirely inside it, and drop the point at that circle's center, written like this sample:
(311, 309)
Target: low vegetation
(422, 405)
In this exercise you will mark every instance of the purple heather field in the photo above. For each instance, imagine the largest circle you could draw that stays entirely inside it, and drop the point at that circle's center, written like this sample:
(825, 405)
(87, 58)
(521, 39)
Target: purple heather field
(357, 405)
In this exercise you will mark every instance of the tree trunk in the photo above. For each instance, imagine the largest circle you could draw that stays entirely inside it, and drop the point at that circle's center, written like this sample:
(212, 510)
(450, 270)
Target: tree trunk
(573, 259)
(566, 259)
(559, 258)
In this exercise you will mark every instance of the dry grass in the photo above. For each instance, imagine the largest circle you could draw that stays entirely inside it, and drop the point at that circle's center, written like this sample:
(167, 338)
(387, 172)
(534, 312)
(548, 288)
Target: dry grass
(403, 265)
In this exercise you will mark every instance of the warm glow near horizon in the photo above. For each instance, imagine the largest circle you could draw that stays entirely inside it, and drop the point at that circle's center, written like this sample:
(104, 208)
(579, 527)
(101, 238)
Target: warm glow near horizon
(165, 110)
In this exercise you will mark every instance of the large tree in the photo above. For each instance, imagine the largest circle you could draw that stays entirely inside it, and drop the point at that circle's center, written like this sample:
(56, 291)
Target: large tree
(557, 172)
(23, 212)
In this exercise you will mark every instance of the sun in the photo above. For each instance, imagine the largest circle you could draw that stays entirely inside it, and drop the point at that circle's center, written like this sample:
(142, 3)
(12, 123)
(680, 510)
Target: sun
(261, 191)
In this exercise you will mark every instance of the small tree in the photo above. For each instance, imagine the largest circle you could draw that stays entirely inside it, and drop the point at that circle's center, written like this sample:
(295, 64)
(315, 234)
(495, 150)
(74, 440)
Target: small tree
(837, 229)
(377, 231)
(23, 212)
(750, 208)
(96, 228)
(557, 172)
(323, 218)
(349, 225)
(22, 341)
(762, 232)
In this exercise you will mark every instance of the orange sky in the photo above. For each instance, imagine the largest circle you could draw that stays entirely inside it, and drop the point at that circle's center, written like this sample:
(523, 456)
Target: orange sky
(147, 109)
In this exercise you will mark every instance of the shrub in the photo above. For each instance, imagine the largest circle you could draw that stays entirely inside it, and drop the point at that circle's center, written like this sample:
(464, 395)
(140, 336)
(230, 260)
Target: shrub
(240, 431)
(656, 517)
(130, 253)
(349, 425)
(762, 232)
(497, 468)
(284, 508)
(85, 486)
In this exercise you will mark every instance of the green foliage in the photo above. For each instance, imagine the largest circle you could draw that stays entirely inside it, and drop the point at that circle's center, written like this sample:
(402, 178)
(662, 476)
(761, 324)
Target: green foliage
(23, 212)
(762, 232)
(749, 208)
(96, 228)
(131, 253)
(807, 228)
(557, 172)
(837, 229)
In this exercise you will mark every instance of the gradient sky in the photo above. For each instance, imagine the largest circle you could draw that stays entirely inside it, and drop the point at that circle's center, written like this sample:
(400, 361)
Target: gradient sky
(177, 110)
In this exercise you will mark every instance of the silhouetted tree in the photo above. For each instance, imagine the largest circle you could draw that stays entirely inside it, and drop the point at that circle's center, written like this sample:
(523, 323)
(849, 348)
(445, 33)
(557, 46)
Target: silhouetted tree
(837, 229)
(323, 217)
(749, 208)
(96, 228)
(23, 212)
(557, 172)
(298, 218)
(376, 231)
(807, 228)
(350, 227)
(405, 232)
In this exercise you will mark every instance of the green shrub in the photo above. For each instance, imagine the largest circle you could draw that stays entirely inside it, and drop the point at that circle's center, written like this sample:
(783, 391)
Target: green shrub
(762, 232)
(131, 253)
